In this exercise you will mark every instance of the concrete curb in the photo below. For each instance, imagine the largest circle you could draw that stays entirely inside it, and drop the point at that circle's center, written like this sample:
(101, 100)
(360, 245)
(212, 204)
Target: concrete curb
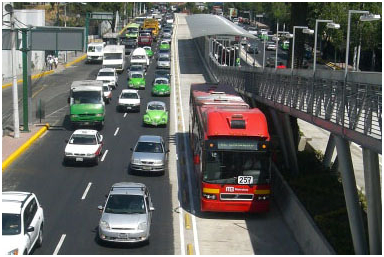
(76, 61)
(42, 74)
(24, 147)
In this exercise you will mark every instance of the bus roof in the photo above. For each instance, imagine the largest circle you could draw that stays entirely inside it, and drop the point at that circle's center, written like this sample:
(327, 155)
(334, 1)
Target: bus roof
(217, 95)
(229, 123)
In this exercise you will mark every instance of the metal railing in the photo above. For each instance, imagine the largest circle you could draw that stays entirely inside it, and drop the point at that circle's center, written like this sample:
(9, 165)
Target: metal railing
(350, 108)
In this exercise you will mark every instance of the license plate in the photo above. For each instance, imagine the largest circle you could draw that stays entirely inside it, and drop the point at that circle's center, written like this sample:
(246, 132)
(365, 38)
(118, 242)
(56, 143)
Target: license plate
(244, 180)
(79, 159)
(147, 168)
(161, 93)
(123, 235)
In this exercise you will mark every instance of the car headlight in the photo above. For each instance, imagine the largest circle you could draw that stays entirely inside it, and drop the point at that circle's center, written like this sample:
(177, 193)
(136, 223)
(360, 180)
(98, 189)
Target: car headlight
(14, 252)
(158, 162)
(74, 115)
(99, 114)
(142, 226)
(146, 118)
(163, 119)
(135, 161)
(90, 155)
(104, 224)
(136, 104)
(67, 153)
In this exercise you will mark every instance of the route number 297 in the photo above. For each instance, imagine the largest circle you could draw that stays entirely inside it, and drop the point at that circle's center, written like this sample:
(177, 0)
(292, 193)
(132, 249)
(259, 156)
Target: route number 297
(244, 180)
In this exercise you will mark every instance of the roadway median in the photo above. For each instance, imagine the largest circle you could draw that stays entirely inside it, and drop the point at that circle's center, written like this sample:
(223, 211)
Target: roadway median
(24, 147)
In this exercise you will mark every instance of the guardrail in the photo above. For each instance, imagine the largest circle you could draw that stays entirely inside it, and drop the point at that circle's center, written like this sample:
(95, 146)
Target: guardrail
(350, 108)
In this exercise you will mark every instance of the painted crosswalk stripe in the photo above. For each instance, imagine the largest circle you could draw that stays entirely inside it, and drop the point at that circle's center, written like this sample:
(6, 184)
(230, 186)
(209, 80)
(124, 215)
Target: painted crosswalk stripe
(86, 191)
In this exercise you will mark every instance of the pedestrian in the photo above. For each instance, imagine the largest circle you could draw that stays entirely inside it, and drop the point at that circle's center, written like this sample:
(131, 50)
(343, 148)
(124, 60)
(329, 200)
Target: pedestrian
(56, 61)
(48, 62)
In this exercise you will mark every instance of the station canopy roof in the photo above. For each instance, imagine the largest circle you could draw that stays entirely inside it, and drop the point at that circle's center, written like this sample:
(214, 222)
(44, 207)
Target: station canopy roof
(209, 25)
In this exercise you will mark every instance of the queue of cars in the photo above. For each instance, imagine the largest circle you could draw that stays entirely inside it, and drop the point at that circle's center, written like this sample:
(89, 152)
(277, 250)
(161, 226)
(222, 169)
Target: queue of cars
(127, 212)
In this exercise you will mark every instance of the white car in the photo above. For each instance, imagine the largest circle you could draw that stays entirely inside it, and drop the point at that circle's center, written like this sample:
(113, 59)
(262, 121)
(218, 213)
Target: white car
(164, 62)
(109, 76)
(23, 222)
(85, 145)
(271, 46)
(252, 30)
(107, 93)
(129, 100)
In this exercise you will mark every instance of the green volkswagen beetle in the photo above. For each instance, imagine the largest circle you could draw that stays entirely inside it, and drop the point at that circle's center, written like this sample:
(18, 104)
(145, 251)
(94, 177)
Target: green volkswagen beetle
(149, 51)
(164, 45)
(156, 114)
(161, 87)
(136, 80)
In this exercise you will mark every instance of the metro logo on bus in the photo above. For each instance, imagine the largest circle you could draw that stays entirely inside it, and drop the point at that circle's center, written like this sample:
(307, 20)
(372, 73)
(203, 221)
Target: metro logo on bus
(230, 189)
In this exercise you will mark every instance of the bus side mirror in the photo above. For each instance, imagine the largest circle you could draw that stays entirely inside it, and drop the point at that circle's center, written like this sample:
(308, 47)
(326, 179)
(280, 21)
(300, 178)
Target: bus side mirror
(196, 159)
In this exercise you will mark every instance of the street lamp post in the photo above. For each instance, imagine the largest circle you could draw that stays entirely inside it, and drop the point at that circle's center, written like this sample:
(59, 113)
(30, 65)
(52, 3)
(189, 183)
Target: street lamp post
(293, 43)
(330, 24)
(277, 43)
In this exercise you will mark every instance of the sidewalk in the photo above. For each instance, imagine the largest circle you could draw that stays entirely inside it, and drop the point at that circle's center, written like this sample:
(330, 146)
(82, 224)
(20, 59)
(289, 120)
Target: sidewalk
(11, 144)
(71, 56)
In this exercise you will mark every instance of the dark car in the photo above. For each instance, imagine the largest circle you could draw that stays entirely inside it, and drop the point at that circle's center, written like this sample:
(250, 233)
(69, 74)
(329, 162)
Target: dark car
(271, 63)
(130, 44)
(252, 48)
(161, 73)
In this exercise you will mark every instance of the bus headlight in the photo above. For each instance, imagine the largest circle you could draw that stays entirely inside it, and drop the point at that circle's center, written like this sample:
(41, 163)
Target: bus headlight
(209, 196)
(262, 197)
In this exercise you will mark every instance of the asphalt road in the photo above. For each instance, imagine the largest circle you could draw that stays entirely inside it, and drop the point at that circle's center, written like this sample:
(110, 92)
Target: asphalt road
(60, 188)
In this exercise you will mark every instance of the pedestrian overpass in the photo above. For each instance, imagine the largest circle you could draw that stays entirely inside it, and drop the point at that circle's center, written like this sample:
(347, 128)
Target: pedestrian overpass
(349, 107)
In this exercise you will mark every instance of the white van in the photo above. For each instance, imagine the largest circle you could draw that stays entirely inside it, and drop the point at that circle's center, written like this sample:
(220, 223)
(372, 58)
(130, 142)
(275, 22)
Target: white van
(139, 56)
(114, 57)
(95, 52)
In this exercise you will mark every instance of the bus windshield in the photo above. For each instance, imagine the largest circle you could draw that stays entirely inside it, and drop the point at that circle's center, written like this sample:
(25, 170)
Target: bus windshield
(132, 30)
(223, 167)
(112, 56)
(86, 97)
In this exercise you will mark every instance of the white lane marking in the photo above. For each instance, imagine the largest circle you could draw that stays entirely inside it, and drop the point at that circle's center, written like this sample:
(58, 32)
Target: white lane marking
(181, 223)
(125, 115)
(195, 237)
(57, 249)
(105, 153)
(117, 130)
(56, 111)
(86, 190)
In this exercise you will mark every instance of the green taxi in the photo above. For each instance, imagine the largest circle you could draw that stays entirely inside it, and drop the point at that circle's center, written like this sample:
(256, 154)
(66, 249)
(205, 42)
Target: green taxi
(161, 87)
(136, 80)
(149, 51)
(164, 45)
(156, 114)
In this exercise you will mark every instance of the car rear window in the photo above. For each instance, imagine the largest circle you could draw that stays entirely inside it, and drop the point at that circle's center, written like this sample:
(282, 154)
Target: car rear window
(149, 147)
(83, 140)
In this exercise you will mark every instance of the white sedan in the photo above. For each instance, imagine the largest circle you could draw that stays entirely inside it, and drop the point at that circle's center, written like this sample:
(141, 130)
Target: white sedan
(85, 145)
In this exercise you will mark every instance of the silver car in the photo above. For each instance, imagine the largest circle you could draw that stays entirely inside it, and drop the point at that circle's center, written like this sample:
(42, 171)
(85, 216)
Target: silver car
(149, 154)
(136, 68)
(164, 62)
(164, 53)
(127, 214)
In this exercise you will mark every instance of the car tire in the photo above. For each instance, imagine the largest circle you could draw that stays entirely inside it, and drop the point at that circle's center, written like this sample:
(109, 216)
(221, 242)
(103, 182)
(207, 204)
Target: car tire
(39, 241)
(97, 160)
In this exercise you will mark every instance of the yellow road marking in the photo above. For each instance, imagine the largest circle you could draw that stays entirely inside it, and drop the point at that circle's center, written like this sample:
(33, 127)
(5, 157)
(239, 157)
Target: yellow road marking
(187, 221)
(189, 249)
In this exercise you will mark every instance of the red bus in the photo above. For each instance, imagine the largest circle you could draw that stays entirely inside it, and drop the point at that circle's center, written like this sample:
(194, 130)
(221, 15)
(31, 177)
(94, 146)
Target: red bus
(230, 147)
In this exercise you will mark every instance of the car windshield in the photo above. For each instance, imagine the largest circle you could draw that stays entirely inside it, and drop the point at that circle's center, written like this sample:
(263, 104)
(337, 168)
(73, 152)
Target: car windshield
(164, 51)
(164, 59)
(138, 57)
(161, 81)
(125, 204)
(93, 49)
(112, 56)
(105, 74)
(157, 107)
(149, 147)
(129, 96)
(106, 88)
(137, 76)
(11, 224)
(145, 34)
(147, 48)
(136, 68)
(79, 139)
(132, 30)
(226, 166)
(86, 97)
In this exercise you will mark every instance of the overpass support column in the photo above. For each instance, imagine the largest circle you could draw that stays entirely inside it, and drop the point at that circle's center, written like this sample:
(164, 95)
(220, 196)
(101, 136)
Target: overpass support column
(350, 193)
(373, 194)
(292, 148)
(329, 151)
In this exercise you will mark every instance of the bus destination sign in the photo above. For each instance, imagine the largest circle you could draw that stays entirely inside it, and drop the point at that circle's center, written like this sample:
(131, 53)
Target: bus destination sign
(248, 145)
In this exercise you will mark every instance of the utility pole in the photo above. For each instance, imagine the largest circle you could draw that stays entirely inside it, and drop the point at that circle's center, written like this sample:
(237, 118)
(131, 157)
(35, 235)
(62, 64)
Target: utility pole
(65, 25)
(14, 77)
